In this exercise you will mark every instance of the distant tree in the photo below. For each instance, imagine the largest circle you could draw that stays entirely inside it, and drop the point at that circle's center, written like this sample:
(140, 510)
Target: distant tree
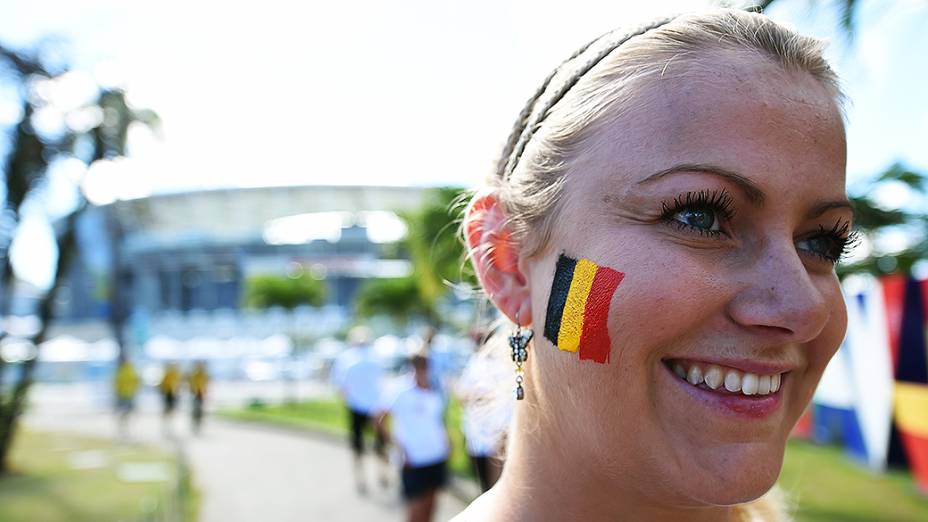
(269, 290)
(874, 221)
(436, 250)
(846, 12)
(30, 154)
(399, 298)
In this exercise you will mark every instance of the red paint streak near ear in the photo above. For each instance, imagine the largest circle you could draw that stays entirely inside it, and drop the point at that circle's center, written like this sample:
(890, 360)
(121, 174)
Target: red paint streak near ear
(485, 227)
(594, 339)
(475, 220)
(504, 256)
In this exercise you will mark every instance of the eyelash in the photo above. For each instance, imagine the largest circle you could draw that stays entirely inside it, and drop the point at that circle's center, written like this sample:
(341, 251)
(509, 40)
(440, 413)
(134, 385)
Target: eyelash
(718, 202)
(842, 238)
(721, 205)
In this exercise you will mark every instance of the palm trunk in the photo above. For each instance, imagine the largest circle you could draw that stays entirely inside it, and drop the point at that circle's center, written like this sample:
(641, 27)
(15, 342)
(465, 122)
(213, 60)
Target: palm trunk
(6, 300)
(11, 410)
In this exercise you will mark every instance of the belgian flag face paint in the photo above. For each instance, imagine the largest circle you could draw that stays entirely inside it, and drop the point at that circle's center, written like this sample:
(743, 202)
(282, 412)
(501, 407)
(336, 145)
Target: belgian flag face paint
(578, 308)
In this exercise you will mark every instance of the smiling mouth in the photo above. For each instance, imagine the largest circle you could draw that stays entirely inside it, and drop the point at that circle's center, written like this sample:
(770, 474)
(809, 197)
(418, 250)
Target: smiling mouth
(724, 380)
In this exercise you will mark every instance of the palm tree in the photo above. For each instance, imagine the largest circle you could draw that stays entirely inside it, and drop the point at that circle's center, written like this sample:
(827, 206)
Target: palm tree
(846, 9)
(24, 170)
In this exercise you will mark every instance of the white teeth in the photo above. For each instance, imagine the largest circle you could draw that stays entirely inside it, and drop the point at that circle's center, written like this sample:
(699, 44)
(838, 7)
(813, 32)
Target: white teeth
(713, 377)
(695, 375)
(763, 385)
(733, 381)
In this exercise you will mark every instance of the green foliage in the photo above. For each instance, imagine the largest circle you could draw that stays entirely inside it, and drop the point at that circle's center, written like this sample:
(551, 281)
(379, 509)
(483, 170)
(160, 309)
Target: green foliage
(268, 290)
(438, 257)
(433, 242)
(329, 416)
(846, 11)
(872, 220)
(828, 486)
(399, 298)
(29, 154)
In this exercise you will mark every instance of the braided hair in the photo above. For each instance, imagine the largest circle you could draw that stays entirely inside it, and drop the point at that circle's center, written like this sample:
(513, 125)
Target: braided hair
(531, 118)
(603, 79)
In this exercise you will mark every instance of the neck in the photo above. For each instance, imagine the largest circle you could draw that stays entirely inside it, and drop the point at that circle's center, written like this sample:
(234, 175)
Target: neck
(541, 481)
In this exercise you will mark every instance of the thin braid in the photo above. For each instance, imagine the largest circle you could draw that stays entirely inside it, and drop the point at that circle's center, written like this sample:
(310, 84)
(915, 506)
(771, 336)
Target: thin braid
(525, 128)
(519, 127)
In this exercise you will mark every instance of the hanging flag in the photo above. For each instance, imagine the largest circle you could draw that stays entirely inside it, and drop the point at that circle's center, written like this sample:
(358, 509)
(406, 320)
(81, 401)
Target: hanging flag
(893, 297)
(870, 368)
(911, 405)
(911, 392)
(912, 362)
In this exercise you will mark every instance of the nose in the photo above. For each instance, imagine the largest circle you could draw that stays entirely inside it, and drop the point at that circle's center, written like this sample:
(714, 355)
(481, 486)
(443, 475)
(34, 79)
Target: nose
(778, 297)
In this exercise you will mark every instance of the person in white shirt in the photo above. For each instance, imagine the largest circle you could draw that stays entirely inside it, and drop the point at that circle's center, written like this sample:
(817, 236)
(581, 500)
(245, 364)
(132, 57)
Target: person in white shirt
(483, 422)
(418, 430)
(357, 376)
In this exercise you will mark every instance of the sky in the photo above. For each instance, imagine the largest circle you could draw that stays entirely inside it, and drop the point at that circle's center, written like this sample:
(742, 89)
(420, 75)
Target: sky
(413, 92)
(407, 92)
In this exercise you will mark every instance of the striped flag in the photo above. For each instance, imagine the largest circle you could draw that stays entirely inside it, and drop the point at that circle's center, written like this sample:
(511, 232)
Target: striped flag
(911, 403)
(578, 307)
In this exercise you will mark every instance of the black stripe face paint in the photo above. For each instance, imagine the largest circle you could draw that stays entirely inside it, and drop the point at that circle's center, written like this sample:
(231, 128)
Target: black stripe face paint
(560, 287)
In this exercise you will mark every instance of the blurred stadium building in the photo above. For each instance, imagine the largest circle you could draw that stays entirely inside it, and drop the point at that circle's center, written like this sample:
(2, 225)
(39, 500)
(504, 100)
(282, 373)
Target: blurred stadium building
(184, 258)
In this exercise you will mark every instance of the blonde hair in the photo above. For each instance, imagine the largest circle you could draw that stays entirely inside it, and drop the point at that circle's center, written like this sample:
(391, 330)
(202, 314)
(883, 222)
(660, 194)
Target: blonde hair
(600, 83)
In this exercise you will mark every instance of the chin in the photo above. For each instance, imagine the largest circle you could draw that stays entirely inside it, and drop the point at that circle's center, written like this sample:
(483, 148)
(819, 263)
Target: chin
(736, 479)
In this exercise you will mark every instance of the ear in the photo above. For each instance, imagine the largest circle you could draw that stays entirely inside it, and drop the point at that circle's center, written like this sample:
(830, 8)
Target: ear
(496, 258)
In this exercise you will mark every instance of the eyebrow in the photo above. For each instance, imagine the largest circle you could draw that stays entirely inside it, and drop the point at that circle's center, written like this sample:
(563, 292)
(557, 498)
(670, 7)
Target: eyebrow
(754, 194)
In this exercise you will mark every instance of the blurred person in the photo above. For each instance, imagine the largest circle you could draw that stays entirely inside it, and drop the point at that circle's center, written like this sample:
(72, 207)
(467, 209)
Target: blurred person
(126, 384)
(662, 229)
(417, 429)
(481, 424)
(198, 382)
(440, 364)
(358, 377)
(169, 388)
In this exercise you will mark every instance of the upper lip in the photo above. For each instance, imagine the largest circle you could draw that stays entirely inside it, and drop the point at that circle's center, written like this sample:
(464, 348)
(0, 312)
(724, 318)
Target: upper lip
(755, 366)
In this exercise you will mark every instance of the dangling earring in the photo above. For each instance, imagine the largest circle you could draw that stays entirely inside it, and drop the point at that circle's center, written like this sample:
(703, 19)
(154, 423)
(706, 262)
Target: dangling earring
(518, 341)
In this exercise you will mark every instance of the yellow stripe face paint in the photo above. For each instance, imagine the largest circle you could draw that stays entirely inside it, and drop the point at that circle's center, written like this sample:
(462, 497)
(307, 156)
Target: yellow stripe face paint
(572, 321)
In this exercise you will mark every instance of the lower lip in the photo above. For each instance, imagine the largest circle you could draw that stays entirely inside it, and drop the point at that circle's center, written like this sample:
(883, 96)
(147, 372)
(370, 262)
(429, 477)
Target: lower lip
(742, 406)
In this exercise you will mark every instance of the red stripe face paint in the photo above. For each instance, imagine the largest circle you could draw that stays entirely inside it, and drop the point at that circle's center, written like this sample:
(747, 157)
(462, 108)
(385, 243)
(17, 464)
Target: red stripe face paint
(594, 342)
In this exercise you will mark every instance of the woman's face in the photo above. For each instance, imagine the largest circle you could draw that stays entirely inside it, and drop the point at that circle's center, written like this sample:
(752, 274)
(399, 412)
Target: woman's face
(722, 201)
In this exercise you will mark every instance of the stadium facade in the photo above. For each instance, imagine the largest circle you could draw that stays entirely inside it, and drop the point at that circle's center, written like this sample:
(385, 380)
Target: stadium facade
(184, 258)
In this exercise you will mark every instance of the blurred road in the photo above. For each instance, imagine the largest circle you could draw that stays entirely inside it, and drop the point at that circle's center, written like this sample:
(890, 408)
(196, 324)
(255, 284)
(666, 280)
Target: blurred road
(243, 472)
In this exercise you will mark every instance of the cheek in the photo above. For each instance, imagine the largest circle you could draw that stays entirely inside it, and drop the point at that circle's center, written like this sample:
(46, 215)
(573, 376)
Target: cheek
(662, 300)
(823, 348)
(657, 302)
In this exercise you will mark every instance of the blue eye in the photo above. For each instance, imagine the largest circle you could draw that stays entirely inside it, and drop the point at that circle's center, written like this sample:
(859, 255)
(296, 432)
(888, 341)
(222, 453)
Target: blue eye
(830, 245)
(703, 219)
(700, 212)
(817, 245)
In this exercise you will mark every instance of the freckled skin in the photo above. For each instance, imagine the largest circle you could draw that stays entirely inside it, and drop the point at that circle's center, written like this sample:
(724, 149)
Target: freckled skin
(615, 435)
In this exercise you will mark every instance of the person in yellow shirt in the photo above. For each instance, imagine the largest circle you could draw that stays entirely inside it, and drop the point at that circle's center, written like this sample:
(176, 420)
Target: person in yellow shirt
(125, 386)
(198, 381)
(169, 386)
